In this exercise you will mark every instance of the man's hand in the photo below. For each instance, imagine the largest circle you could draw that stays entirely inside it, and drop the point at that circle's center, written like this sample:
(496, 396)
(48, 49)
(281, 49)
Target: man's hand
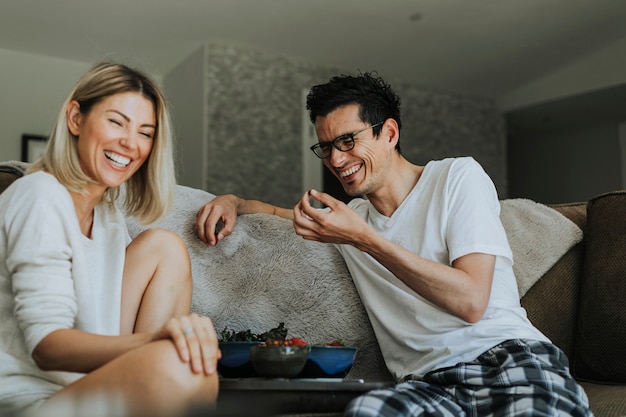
(339, 224)
(217, 218)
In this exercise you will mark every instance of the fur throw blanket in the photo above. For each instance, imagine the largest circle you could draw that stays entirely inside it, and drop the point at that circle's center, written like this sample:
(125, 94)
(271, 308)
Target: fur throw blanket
(538, 236)
(264, 274)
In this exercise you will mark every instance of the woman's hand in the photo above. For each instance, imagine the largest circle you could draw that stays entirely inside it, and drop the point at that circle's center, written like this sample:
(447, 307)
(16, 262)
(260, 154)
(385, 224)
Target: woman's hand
(195, 340)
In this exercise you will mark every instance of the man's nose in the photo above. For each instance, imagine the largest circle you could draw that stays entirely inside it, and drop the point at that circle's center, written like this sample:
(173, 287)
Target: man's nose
(336, 156)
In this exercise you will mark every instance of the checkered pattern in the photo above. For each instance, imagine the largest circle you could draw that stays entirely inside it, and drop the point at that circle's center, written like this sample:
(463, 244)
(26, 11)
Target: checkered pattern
(515, 378)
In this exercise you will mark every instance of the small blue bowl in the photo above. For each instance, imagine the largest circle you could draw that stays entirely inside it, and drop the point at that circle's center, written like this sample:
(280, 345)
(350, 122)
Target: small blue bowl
(329, 362)
(235, 361)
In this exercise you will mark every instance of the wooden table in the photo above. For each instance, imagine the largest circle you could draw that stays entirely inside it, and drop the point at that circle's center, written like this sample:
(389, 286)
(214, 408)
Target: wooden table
(267, 396)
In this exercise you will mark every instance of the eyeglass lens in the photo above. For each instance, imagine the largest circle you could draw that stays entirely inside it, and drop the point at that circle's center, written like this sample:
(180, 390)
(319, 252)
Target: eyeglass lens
(343, 143)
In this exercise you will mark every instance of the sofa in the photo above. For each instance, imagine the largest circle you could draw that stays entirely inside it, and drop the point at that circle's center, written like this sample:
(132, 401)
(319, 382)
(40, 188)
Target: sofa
(570, 260)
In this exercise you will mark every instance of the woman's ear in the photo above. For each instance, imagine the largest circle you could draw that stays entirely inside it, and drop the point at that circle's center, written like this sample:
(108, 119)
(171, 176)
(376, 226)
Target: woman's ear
(74, 117)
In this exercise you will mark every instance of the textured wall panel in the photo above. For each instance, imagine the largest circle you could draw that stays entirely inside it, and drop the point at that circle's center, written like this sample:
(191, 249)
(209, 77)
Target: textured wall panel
(253, 109)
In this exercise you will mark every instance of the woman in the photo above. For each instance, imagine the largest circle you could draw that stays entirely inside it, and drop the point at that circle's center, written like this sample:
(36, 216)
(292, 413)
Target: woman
(83, 310)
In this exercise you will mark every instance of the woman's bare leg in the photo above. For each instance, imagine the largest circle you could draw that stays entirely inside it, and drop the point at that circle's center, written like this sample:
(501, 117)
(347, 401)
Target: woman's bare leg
(157, 281)
(151, 381)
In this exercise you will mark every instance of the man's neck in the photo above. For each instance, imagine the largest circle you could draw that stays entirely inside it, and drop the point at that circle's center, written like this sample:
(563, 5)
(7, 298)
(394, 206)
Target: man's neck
(400, 182)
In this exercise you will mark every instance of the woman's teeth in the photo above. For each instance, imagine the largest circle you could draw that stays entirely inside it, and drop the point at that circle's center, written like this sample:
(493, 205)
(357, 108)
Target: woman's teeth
(118, 159)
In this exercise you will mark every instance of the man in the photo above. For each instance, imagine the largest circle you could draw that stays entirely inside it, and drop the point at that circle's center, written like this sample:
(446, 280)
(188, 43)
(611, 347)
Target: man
(431, 262)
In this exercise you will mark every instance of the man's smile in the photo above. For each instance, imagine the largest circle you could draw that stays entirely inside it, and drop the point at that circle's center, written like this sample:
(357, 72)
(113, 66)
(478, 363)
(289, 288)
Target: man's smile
(346, 173)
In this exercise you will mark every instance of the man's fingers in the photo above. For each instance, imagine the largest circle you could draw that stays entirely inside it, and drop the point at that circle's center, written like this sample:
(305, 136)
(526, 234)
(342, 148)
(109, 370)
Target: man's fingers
(200, 224)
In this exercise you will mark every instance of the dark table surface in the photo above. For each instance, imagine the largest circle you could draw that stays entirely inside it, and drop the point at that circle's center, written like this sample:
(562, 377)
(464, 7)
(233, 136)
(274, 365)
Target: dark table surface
(269, 396)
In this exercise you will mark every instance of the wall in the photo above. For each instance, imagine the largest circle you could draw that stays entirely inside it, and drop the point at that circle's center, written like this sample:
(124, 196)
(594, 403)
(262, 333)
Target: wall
(253, 124)
(580, 158)
(438, 124)
(567, 149)
(237, 116)
(602, 68)
(32, 90)
(621, 132)
(572, 163)
(184, 88)
(254, 103)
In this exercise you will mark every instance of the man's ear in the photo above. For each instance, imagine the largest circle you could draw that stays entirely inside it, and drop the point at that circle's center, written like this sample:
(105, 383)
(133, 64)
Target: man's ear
(74, 117)
(391, 131)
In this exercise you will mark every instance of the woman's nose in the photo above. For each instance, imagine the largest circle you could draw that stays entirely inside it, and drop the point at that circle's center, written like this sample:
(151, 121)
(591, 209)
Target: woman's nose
(128, 140)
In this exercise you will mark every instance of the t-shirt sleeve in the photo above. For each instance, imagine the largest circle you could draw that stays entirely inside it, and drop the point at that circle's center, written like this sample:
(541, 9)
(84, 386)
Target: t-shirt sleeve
(474, 223)
(39, 259)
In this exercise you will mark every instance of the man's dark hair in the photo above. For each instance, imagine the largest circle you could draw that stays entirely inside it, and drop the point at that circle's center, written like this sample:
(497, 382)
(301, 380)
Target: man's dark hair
(375, 98)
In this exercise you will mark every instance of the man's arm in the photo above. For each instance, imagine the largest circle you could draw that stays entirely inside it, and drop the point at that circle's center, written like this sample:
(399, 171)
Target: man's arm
(217, 218)
(462, 289)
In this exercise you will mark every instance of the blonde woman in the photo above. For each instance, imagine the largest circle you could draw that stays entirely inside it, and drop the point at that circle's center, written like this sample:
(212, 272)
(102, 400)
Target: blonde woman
(85, 311)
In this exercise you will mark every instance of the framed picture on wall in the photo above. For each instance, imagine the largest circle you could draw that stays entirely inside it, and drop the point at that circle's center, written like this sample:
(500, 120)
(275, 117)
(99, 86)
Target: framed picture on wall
(33, 146)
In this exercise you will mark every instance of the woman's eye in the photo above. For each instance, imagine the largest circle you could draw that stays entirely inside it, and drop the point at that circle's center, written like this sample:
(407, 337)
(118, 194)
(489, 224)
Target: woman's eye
(147, 134)
(114, 121)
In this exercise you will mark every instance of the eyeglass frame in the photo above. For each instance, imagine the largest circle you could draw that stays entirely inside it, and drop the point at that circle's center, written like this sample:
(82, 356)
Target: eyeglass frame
(334, 143)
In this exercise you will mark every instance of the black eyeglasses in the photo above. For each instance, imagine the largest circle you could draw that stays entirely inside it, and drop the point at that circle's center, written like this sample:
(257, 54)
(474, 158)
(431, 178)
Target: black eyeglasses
(343, 143)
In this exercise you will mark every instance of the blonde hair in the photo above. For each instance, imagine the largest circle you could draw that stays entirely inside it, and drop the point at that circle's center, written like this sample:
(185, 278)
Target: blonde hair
(149, 192)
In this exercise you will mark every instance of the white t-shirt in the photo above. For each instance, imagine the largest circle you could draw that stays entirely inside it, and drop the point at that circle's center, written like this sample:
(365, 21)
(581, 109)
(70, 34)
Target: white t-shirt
(52, 277)
(452, 211)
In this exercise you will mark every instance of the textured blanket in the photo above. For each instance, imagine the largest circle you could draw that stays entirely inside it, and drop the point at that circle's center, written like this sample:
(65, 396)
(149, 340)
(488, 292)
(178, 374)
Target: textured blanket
(264, 274)
(538, 236)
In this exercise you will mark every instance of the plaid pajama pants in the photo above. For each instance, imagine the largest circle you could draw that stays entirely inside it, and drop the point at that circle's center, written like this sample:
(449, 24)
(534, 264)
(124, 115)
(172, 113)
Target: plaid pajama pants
(515, 378)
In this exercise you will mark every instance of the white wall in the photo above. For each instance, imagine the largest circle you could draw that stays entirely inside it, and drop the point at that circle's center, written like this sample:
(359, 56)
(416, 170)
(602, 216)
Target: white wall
(621, 133)
(32, 89)
(600, 69)
(185, 89)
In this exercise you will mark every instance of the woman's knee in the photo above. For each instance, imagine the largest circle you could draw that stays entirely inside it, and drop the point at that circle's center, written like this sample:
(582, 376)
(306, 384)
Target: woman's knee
(163, 365)
(161, 241)
(151, 380)
(166, 250)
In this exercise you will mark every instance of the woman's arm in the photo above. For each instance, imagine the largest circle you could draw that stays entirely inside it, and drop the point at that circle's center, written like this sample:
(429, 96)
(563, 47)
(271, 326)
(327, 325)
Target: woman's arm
(73, 350)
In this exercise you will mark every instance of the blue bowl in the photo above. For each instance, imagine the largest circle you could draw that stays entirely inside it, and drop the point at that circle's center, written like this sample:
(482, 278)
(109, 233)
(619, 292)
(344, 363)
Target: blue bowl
(329, 362)
(235, 361)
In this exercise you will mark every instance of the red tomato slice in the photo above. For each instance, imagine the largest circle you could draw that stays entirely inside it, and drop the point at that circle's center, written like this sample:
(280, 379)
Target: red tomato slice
(297, 341)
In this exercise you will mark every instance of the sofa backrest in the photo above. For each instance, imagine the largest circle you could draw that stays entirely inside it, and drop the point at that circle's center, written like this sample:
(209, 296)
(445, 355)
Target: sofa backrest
(601, 331)
(552, 303)
(8, 174)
